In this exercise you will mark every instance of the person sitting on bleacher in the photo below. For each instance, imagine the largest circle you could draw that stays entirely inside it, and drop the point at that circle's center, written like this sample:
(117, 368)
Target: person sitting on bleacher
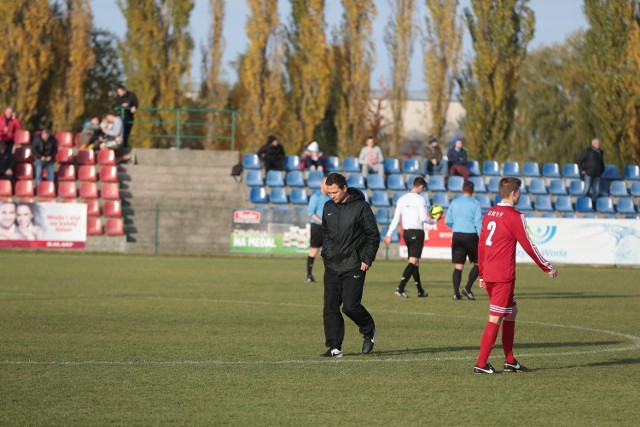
(371, 158)
(7, 162)
(9, 124)
(457, 157)
(90, 134)
(44, 153)
(312, 157)
(113, 131)
(433, 154)
(272, 154)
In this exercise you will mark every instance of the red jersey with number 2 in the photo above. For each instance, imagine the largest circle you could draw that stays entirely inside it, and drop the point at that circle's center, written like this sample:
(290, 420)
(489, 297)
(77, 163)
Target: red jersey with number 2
(502, 227)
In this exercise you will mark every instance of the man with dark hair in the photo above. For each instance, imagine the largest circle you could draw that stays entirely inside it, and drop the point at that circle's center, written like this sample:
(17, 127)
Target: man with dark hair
(433, 156)
(412, 209)
(457, 158)
(350, 244)
(464, 217)
(591, 165)
(127, 105)
(44, 153)
(272, 154)
(502, 228)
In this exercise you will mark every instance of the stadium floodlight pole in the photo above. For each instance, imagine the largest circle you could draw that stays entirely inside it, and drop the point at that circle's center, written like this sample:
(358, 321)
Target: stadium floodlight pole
(155, 248)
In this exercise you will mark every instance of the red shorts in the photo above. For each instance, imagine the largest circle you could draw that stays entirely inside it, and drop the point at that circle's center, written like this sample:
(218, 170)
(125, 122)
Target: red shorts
(501, 298)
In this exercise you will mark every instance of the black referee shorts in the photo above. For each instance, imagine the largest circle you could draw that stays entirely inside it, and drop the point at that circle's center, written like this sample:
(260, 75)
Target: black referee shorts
(464, 245)
(415, 242)
(316, 236)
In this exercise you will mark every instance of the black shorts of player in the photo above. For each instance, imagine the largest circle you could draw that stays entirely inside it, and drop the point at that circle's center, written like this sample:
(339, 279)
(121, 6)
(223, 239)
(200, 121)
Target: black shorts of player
(464, 245)
(316, 236)
(415, 242)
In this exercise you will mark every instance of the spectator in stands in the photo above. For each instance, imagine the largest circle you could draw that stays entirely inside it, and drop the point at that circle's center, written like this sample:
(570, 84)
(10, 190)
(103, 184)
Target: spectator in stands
(371, 158)
(126, 104)
(457, 157)
(272, 154)
(312, 157)
(90, 134)
(8, 227)
(44, 153)
(591, 164)
(433, 154)
(112, 132)
(7, 162)
(9, 124)
(27, 219)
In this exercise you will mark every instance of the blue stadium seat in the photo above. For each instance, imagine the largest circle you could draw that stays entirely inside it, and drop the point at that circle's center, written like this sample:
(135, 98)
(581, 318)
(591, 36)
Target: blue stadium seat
(631, 173)
(258, 195)
(605, 205)
(563, 204)
(436, 183)
(584, 204)
(478, 184)
(292, 163)
(570, 216)
(411, 166)
(549, 215)
(494, 185)
(625, 206)
(375, 182)
(484, 199)
(491, 168)
(384, 216)
(441, 199)
(356, 180)
(395, 235)
(570, 171)
(531, 169)
(314, 180)
(474, 168)
(551, 170)
(278, 196)
(576, 188)
(634, 190)
(410, 179)
(455, 184)
(537, 186)
(523, 188)
(524, 204)
(299, 196)
(251, 161)
(275, 178)
(497, 199)
(611, 172)
(253, 178)
(590, 215)
(618, 189)
(392, 165)
(396, 196)
(380, 199)
(396, 183)
(351, 165)
(557, 187)
(295, 178)
(543, 203)
(529, 214)
(333, 164)
(425, 196)
(510, 169)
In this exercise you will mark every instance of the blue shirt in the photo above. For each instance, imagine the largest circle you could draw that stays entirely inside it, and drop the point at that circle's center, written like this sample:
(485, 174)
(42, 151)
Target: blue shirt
(316, 205)
(464, 215)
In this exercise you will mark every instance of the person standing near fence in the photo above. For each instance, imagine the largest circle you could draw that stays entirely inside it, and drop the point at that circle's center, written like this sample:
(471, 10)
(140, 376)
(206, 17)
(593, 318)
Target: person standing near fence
(314, 210)
(127, 105)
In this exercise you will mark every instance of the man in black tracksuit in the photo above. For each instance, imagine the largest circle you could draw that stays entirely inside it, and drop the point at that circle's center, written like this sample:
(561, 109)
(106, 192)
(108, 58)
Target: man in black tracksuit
(350, 244)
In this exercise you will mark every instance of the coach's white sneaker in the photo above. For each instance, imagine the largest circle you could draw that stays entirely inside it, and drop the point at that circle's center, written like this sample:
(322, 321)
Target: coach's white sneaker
(332, 352)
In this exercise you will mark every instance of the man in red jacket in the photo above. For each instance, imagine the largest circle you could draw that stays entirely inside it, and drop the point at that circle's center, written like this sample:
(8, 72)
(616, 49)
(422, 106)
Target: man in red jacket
(502, 228)
(9, 124)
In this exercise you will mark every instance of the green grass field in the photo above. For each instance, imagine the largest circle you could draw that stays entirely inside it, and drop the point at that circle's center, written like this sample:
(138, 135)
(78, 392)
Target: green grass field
(106, 339)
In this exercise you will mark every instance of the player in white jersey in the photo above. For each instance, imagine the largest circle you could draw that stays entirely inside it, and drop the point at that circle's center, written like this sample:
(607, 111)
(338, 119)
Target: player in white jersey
(412, 208)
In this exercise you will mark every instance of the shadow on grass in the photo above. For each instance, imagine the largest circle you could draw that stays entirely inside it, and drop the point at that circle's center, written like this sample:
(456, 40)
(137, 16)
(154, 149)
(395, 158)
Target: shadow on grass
(618, 362)
(569, 295)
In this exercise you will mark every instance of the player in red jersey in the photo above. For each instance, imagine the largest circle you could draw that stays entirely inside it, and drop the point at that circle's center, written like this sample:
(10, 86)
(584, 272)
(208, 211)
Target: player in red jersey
(502, 227)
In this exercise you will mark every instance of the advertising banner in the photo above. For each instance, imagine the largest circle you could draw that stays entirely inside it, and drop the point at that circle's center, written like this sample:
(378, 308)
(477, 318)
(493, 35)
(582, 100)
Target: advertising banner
(560, 240)
(43, 225)
(270, 231)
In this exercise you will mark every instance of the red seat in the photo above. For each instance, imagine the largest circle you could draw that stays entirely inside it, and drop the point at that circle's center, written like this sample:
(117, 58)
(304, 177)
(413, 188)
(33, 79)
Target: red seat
(46, 190)
(106, 157)
(94, 226)
(114, 227)
(67, 190)
(86, 157)
(93, 207)
(24, 171)
(89, 190)
(23, 154)
(110, 191)
(109, 174)
(112, 208)
(6, 191)
(87, 173)
(66, 173)
(64, 139)
(24, 188)
(76, 140)
(64, 155)
(22, 136)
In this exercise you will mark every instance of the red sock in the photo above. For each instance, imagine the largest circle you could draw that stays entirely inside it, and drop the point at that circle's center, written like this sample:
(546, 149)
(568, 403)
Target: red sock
(508, 332)
(486, 343)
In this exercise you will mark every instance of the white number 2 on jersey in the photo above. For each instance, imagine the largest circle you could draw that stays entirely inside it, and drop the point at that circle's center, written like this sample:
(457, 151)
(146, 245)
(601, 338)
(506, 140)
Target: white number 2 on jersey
(492, 229)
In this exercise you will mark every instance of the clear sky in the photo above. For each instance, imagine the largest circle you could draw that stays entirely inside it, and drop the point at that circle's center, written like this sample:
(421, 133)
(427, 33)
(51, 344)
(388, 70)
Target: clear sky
(555, 19)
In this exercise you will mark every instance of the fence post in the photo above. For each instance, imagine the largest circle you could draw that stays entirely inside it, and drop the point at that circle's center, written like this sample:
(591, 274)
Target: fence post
(178, 126)
(233, 131)
(155, 247)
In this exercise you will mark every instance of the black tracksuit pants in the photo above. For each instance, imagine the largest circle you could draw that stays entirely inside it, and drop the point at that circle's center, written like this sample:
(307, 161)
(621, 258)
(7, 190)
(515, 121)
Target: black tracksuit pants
(344, 289)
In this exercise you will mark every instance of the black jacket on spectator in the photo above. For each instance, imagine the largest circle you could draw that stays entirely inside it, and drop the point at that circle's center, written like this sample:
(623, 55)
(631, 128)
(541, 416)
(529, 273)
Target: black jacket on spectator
(6, 162)
(128, 98)
(591, 161)
(44, 148)
(457, 157)
(272, 156)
